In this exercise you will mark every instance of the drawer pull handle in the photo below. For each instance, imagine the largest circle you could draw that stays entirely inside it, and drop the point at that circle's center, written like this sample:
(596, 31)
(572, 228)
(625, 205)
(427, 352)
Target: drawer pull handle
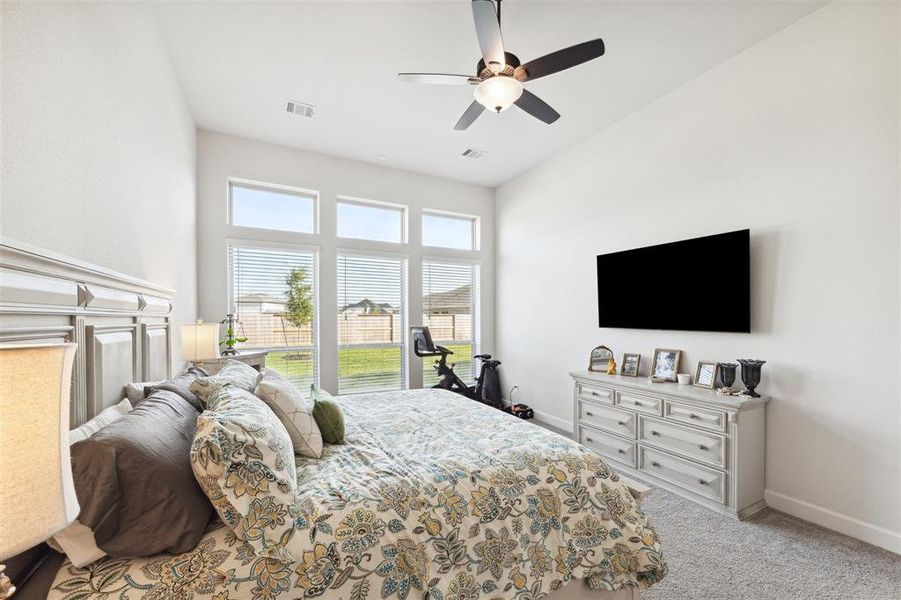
(702, 482)
(595, 394)
(693, 416)
(620, 422)
(655, 464)
(653, 432)
(621, 451)
(588, 439)
(702, 447)
(590, 414)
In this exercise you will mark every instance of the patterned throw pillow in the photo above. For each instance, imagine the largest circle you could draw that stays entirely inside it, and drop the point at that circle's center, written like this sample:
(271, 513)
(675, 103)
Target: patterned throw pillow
(292, 409)
(233, 372)
(243, 459)
(328, 415)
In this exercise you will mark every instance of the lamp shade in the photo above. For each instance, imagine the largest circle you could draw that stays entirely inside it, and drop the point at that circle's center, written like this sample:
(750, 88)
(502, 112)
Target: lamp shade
(37, 497)
(200, 341)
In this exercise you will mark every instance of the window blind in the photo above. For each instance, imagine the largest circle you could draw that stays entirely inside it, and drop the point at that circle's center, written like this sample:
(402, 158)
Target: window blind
(371, 324)
(259, 279)
(450, 311)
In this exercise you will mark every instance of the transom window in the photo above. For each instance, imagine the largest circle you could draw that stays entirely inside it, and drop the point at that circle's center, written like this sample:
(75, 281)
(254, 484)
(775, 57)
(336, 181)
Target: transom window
(374, 221)
(449, 231)
(274, 298)
(371, 323)
(272, 207)
(450, 311)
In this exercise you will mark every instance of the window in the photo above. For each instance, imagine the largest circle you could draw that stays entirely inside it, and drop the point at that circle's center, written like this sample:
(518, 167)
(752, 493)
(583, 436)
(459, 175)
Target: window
(259, 294)
(275, 207)
(449, 310)
(448, 231)
(370, 221)
(371, 324)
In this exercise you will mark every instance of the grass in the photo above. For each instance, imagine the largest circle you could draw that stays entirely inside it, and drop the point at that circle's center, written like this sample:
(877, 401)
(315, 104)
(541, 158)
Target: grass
(360, 363)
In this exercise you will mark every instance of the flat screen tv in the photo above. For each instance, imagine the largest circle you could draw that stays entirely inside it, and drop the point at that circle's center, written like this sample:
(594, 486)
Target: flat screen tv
(702, 284)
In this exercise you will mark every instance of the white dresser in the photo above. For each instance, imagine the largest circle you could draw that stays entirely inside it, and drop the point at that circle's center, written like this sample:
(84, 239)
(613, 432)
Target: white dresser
(689, 440)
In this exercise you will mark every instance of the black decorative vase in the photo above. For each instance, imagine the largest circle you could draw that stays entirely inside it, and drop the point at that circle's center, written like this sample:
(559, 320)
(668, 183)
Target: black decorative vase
(750, 375)
(727, 374)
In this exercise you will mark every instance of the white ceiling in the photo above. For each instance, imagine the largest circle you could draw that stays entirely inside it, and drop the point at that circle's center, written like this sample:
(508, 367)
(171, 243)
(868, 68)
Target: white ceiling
(239, 62)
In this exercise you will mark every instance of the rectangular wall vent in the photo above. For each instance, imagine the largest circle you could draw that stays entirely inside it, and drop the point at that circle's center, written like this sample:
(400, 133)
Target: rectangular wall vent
(474, 153)
(301, 108)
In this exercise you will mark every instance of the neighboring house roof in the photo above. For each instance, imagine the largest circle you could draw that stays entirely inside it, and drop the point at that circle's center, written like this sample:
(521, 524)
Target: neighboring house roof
(368, 307)
(455, 301)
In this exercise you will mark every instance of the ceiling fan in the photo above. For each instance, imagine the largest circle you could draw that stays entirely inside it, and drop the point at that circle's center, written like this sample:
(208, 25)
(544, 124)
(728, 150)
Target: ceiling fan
(499, 74)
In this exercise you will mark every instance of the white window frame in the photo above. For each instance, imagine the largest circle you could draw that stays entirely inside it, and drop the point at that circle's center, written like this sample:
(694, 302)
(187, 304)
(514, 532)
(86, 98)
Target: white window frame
(476, 228)
(405, 312)
(316, 251)
(402, 208)
(272, 187)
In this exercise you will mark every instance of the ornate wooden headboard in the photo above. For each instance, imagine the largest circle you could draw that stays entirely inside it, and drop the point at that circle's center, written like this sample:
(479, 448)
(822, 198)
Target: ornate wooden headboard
(122, 324)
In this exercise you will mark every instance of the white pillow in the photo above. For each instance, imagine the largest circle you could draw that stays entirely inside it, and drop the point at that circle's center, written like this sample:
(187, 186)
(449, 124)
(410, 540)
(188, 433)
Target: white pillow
(292, 410)
(77, 541)
(135, 391)
(106, 416)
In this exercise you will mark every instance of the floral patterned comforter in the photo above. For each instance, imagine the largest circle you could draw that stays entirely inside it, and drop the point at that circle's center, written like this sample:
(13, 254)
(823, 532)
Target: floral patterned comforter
(432, 493)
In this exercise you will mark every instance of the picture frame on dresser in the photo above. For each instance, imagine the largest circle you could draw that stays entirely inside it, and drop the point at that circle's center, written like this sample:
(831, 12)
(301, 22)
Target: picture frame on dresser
(666, 363)
(631, 364)
(706, 373)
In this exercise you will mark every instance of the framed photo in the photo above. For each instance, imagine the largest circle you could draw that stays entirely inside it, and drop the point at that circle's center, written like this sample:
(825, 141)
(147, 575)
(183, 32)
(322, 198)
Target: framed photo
(630, 365)
(600, 359)
(705, 374)
(666, 363)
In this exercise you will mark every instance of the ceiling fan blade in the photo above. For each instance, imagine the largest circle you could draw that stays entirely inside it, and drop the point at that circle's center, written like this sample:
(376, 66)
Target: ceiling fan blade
(537, 107)
(488, 30)
(472, 113)
(438, 78)
(560, 60)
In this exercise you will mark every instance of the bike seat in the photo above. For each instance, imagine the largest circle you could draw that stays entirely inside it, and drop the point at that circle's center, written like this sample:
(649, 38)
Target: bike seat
(483, 356)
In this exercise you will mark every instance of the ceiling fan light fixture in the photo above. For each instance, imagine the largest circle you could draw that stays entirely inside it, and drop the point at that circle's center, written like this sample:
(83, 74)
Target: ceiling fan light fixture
(498, 93)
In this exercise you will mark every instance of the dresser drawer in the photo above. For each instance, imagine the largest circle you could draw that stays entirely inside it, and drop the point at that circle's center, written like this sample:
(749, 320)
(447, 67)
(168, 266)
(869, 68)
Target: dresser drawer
(608, 418)
(595, 393)
(645, 404)
(700, 480)
(608, 445)
(707, 447)
(699, 417)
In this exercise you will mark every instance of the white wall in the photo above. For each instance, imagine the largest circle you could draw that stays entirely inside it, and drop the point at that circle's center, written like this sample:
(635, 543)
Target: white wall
(221, 156)
(98, 146)
(798, 139)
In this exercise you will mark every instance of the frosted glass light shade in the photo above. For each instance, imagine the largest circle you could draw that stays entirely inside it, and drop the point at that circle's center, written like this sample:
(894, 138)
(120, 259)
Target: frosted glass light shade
(498, 93)
(200, 341)
(37, 497)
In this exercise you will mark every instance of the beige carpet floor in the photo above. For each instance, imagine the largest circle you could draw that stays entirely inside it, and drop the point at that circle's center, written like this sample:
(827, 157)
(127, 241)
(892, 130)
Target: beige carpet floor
(771, 556)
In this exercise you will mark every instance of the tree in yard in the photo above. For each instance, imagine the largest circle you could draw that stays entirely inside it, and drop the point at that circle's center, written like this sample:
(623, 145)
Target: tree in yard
(298, 298)
(298, 304)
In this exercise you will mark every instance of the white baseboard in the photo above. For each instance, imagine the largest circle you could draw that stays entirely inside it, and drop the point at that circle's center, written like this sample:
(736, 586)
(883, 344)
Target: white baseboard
(555, 421)
(824, 517)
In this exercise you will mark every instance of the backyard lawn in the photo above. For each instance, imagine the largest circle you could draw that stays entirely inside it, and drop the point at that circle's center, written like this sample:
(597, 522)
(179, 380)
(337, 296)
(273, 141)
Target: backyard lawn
(359, 363)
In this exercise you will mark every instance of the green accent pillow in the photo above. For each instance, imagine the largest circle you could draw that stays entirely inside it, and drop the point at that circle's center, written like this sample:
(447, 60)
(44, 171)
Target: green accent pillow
(328, 415)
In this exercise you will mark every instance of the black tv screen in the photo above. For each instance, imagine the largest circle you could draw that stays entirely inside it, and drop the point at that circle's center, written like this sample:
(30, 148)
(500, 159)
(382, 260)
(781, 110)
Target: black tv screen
(702, 284)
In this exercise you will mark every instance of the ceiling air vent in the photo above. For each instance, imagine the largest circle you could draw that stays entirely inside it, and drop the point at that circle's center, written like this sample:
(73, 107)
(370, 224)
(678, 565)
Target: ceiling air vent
(301, 108)
(474, 153)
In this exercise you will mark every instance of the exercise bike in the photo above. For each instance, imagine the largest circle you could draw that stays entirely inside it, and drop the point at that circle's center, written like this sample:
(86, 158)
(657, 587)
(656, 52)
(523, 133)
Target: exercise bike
(487, 387)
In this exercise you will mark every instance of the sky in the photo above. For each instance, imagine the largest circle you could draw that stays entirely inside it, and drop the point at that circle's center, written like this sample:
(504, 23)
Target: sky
(273, 209)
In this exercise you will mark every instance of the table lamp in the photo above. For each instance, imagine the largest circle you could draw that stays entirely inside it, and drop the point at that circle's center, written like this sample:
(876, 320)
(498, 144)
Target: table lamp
(37, 496)
(200, 341)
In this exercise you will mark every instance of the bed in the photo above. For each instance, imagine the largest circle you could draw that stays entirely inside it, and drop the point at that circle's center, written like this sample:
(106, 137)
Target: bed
(433, 495)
